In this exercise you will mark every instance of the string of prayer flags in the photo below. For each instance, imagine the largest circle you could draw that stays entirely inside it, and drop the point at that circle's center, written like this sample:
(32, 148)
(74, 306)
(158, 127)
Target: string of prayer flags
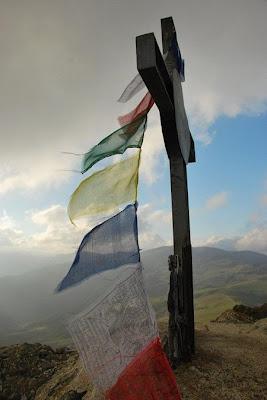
(129, 136)
(142, 109)
(135, 86)
(117, 337)
(108, 246)
(106, 190)
(109, 334)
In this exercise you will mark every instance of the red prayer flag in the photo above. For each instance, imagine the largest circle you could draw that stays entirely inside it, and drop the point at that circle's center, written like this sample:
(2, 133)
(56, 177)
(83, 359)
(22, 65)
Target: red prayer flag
(143, 107)
(149, 376)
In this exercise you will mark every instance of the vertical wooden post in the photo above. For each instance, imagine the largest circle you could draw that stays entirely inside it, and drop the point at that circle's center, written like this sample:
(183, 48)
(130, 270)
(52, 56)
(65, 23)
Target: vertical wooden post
(158, 80)
(181, 319)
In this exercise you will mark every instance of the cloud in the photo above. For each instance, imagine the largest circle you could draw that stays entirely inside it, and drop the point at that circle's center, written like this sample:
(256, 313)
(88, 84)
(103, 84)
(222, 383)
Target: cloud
(58, 86)
(10, 234)
(204, 136)
(153, 146)
(219, 74)
(57, 235)
(154, 226)
(54, 215)
(254, 236)
(34, 167)
(218, 200)
(216, 241)
(254, 239)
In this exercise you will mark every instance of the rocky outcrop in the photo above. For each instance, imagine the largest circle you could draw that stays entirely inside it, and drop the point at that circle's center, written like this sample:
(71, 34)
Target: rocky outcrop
(243, 314)
(256, 313)
(73, 395)
(25, 368)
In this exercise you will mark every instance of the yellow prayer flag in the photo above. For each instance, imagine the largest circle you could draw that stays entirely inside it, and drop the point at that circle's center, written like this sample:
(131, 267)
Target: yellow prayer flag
(106, 190)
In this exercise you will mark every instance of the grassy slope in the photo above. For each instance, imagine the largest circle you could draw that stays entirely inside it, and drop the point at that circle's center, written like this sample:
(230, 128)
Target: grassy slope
(250, 292)
(221, 279)
(210, 306)
(211, 302)
(207, 307)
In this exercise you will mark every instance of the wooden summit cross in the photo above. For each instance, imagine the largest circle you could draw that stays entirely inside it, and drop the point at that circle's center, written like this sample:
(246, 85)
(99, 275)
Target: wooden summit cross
(159, 78)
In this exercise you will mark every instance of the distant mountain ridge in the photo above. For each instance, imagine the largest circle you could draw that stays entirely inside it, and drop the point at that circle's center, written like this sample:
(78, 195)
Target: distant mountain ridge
(30, 311)
(212, 267)
(21, 262)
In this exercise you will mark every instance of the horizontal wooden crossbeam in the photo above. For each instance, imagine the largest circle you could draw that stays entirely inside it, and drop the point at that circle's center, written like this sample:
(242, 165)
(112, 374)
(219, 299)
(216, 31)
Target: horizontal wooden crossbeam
(151, 67)
(153, 71)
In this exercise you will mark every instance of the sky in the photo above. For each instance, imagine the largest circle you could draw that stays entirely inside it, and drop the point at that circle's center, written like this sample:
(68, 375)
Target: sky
(64, 64)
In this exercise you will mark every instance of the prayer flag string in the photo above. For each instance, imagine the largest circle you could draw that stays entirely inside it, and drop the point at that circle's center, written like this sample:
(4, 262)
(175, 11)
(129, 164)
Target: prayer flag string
(117, 338)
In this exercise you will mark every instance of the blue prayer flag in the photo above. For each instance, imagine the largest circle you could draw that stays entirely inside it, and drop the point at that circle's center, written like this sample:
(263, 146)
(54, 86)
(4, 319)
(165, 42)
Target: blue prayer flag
(109, 245)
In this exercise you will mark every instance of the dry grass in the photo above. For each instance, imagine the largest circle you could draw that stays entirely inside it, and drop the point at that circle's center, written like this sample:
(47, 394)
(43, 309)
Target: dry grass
(230, 363)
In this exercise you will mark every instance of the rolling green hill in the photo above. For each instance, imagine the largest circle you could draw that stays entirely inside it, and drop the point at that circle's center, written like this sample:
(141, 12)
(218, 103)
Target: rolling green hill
(221, 279)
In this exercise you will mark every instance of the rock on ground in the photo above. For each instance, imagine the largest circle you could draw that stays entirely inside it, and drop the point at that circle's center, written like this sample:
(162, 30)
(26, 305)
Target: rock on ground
(244, 314)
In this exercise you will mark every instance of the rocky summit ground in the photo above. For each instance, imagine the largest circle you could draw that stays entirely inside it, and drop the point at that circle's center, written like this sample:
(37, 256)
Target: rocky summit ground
(229, 364)
(27, 367)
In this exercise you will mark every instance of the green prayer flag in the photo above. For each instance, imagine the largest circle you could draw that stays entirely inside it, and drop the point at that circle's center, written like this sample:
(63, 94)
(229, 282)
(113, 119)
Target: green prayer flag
(129, 136)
